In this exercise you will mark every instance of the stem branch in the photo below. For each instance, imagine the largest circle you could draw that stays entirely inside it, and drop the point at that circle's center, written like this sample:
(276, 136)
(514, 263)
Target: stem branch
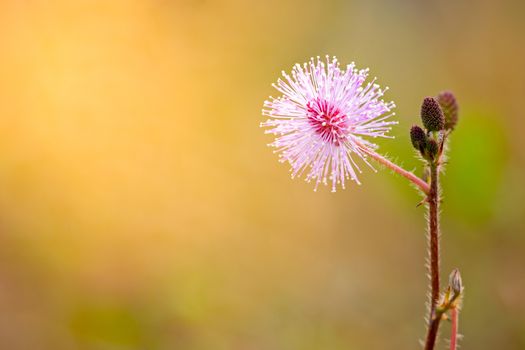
(454, 313)
(405, 173)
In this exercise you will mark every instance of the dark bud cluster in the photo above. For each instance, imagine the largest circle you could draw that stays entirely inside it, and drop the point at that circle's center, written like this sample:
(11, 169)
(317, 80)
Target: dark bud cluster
(439, 116)
(432, 115)
(450, 108)
(427, 146)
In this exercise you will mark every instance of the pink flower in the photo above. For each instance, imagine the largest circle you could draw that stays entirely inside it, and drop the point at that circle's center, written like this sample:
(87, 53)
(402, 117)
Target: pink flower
(321, 117)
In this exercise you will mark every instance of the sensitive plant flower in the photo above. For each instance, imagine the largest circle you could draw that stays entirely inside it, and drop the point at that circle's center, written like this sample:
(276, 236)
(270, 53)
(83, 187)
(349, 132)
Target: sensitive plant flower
(321, 118)
(321, 121)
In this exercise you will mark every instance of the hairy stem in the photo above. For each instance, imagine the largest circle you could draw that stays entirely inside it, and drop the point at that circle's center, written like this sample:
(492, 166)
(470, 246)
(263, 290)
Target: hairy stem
(454, 313)
(405, 173)
(433, 231)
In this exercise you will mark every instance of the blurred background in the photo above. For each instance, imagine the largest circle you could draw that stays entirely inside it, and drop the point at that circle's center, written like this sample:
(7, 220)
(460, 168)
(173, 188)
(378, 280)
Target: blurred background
(141, 209)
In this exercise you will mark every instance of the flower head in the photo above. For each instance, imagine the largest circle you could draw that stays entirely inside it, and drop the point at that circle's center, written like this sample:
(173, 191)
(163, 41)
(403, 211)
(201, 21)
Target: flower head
(321, 117)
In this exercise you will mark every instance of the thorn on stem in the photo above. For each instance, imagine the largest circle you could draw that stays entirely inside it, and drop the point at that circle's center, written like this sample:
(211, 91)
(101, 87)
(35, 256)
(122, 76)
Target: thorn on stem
(424, 201)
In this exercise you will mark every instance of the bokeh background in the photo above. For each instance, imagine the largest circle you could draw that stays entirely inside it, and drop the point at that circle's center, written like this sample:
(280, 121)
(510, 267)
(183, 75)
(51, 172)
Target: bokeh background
(141, 209)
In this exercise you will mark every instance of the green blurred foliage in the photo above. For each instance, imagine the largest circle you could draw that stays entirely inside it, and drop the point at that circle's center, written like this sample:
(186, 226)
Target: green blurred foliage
(95, 323)
(478, 159)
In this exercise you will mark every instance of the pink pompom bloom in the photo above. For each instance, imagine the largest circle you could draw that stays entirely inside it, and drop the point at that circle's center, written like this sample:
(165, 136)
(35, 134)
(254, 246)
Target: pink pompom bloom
(321, 118)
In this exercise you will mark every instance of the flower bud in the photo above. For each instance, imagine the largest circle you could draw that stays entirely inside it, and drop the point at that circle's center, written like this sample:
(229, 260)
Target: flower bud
(450, 108)
(432, 115)
(432, 149)
(418, 138)
(455, 282)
